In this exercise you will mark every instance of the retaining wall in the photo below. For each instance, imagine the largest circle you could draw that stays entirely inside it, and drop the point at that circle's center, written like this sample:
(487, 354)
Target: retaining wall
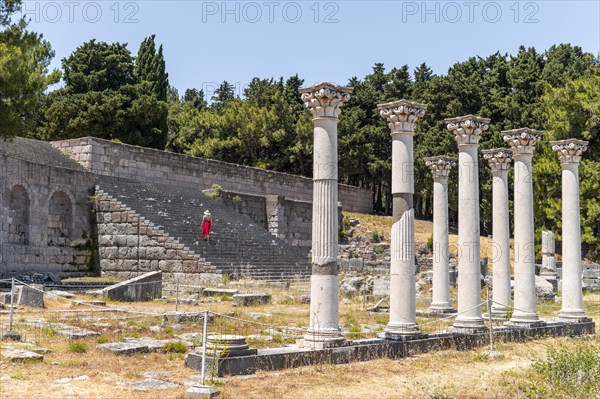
(122, 160)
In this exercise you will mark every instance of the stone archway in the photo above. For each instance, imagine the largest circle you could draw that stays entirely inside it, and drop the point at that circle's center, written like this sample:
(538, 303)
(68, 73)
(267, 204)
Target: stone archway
(60, 219)
(18, 216)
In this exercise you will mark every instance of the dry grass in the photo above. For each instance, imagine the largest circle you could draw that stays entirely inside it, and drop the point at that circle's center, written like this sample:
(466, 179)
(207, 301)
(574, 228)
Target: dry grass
(423, 231)
(451, 373)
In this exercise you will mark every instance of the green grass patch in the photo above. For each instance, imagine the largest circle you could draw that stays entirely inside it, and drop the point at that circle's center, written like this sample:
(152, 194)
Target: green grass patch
(175, 347)
(78, 347)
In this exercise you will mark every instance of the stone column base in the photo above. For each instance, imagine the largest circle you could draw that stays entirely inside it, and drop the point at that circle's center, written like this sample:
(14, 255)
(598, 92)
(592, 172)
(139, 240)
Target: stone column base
(402, 331)
(572, 317)
(440, 308)
(520, 322)
(469, 326)
(499, 312)
(320, 339)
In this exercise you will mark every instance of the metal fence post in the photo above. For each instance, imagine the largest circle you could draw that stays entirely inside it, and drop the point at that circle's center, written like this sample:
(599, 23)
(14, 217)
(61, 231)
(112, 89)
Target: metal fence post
(204, 332)
(12, 301)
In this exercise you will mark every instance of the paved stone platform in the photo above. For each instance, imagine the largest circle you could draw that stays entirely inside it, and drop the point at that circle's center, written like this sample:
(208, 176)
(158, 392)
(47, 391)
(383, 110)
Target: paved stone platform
(369, 349)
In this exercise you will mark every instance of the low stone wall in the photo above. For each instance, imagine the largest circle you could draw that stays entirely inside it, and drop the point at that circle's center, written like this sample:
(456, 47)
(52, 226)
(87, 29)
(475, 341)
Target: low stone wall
(130, 246)
(121, 160)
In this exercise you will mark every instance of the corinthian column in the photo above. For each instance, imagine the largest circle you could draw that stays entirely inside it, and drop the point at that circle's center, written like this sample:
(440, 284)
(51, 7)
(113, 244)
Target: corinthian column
(499, 160)
(522, 142)
(467, 131)
(440, 168)
(402, 117)
(569, 152)
(325, 101)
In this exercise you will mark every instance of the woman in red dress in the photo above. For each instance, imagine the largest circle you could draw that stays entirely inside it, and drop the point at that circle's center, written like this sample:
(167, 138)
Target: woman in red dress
(206, 225)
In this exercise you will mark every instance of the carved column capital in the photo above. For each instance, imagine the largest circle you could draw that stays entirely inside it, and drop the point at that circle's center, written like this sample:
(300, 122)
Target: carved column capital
(402, 115)
(325, 99)
(522, 141)
(467, 129)
(569, 151)
(498, 158)
(440, 166)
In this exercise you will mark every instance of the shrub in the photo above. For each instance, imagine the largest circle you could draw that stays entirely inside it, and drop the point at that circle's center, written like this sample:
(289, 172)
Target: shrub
(375, 236)
(568, 372)
(78, 347)
(216, 186)
(102, 339)
(430, 243)
(175, 347)
(237, 199)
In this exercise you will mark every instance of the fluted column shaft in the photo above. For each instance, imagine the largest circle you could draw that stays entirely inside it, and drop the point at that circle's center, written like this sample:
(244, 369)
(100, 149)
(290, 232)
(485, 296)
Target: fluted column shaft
(440, 168)
(467, 131)
(402, 116)
(324, 101)
(523, 142)
(469, 269)
(569, 152)
(501, 244)
(525, 296)
(499, 160)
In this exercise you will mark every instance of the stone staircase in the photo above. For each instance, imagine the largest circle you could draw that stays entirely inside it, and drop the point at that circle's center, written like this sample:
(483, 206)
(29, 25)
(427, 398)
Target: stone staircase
(237, 247)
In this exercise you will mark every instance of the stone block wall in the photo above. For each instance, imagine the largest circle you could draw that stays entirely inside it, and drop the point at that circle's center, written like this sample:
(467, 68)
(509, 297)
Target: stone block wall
(130, 246)
(121, 160)
(286, 219)
(45, 217)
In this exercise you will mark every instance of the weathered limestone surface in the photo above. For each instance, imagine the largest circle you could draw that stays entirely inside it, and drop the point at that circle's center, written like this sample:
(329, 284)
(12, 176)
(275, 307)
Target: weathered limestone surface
(325, 101)
(146, 287)
(402, 117)
(467, 131)
(249, 299)
(285, 218)
(522, 142)
(44, 211)
(548, 261)
(29, 295)
(569, 153)
(499, 160)
(440, 168)
(128, 161)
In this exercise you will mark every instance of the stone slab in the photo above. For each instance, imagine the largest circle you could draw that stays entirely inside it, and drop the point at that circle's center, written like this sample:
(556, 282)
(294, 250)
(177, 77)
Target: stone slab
(187, 317)
(32, 296)
(10, 335)
(252, 299)
(219, 291)
(146, 287)
(201, 392)
(76, 333)
(151, 384)
(124, 348)
(21, 355)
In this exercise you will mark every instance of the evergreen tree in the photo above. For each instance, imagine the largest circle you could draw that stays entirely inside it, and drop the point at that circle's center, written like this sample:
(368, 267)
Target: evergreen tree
(101, 99)
(150, 66)
(24, 73)
(222, 95)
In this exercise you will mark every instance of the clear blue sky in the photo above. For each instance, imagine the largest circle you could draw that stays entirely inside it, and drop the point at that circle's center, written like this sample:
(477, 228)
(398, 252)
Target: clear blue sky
(206, 42)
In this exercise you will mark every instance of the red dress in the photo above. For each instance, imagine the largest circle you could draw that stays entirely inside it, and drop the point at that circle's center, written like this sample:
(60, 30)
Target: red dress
(206, 228)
